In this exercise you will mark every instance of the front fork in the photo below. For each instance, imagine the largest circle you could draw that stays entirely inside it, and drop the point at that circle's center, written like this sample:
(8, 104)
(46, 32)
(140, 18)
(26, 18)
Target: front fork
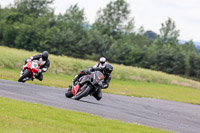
(21, 72)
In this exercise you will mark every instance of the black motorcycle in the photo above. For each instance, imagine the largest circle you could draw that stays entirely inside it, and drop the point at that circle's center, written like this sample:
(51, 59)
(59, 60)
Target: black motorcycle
(89, 84)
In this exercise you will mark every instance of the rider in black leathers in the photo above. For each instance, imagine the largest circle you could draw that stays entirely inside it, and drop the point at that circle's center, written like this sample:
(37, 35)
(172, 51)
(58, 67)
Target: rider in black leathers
(44, 63)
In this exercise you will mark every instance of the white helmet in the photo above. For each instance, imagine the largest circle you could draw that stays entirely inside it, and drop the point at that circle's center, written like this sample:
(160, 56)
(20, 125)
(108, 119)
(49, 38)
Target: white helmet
(102, 60)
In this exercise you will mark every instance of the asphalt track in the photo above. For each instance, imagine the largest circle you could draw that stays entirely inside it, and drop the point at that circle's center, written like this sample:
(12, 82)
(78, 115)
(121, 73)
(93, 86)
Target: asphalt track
(163, 114)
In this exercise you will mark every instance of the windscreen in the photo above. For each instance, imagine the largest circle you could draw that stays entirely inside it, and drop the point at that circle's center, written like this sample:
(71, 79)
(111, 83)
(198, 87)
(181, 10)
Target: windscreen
(34, 64)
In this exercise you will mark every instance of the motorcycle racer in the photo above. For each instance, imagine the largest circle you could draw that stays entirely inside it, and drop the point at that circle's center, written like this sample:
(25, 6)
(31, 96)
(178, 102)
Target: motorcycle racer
(105, 70)
(43, 61)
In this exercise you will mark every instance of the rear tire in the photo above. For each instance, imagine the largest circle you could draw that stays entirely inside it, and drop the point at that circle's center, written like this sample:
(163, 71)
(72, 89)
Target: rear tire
(83, 93)
(25, 75)
(69, 94)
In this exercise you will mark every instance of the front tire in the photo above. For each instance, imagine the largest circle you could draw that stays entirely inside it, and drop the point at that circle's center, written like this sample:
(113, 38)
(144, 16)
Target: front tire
(24, 75)
(69, 94)
(83, 92)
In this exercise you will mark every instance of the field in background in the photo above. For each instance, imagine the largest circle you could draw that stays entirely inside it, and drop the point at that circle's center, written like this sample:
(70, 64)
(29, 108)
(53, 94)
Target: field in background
(14, 59)
(139, 82)
(16, 116)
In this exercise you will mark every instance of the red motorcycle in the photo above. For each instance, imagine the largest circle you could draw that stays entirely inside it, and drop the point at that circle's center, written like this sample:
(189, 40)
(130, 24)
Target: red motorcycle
(89, 84)
(29, 71)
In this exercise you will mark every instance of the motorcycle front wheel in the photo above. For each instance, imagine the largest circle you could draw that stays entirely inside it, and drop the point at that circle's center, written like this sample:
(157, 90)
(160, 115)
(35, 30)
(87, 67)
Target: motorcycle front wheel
(69, 94)
(84, 91)
(24, 75)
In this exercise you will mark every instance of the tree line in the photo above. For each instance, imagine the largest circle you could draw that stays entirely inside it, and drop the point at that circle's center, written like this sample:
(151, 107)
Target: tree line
(33, 25)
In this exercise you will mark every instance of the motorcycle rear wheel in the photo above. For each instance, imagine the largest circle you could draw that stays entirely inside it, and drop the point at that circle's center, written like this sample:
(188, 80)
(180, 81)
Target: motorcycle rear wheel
(83, 93)
(25, 75)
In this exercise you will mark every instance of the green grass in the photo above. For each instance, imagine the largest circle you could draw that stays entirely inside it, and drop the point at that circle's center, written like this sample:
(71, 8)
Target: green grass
(22, 117)
(155, 90)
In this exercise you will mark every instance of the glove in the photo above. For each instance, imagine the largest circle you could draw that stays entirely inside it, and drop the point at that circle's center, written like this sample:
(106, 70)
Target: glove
(105, 86)
(88, 72)
(82, 72)
(85, 72)
(90, 69)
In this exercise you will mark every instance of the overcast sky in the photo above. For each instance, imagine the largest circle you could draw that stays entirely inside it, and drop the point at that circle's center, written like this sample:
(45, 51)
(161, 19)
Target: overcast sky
(147, 13)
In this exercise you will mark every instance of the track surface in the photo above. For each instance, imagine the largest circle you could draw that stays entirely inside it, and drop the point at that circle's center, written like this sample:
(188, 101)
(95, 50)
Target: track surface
(163, 114)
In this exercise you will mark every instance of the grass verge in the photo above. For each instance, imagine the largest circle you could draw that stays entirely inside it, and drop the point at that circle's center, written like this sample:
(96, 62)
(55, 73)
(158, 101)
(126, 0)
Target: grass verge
(18, 117)
(128, 88)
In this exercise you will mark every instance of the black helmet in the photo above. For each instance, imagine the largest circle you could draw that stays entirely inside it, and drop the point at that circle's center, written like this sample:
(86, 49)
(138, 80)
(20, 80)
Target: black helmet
(45, 55)
(108, 68)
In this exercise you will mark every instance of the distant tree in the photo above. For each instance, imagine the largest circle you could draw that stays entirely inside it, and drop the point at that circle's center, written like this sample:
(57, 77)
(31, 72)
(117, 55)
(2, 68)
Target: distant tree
(9, 35)
(33, 7)
(99, 44)
(168, 59)
(114, 19)
(72, 32)
(168, 33)
(194, 61)
(188, 47)
(28, 38)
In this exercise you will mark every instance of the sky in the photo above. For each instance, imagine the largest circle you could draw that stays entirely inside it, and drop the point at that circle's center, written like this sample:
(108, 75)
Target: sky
(147, 13)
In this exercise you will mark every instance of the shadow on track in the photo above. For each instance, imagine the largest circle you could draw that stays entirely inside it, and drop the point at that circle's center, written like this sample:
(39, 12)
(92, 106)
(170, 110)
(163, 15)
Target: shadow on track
(90, 102)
